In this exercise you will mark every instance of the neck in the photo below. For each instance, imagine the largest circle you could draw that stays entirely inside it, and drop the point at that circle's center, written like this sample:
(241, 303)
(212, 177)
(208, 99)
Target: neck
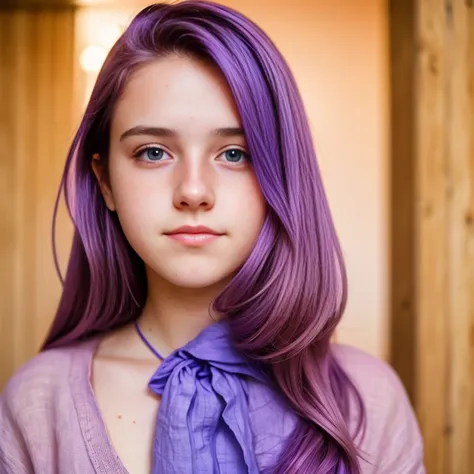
(173, 316)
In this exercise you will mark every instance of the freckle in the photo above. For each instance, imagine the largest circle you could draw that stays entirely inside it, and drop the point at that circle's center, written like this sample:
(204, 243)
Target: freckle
(133, 421)
(119, 417)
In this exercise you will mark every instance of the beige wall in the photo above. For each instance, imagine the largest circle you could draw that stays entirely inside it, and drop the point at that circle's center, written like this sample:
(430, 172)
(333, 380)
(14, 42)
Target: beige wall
(338, 52)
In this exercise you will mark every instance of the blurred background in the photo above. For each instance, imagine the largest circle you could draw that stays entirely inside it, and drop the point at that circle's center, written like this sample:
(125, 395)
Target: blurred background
(389, 91)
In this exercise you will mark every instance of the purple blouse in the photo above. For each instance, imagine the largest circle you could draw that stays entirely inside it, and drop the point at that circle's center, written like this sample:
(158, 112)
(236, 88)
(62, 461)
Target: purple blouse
(218, 414)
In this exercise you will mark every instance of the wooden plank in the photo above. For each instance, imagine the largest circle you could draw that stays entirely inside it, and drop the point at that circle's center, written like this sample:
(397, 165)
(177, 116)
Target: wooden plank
(402, 182)
(24, 134)
(7, 202)
(54, 118)
(460, 154)
(433, 114)
(44, 119)
(36, 68)
(469, 220)
(431, 208)
(61, 116)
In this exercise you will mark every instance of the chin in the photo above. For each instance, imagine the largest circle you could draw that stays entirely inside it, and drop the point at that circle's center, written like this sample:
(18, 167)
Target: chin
(195, 276)
(195, 273)
(195, 285)
(194, 282)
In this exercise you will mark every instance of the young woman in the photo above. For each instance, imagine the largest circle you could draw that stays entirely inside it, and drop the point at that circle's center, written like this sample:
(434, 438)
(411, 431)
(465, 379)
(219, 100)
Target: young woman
(205, 279)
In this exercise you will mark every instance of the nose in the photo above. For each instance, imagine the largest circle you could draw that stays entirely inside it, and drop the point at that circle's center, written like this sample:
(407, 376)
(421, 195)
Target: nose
(193, 188)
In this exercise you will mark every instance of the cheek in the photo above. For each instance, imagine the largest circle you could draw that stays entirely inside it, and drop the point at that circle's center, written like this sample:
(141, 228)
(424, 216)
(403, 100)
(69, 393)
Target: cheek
(133, 189)
(138, 201)
(249, 206)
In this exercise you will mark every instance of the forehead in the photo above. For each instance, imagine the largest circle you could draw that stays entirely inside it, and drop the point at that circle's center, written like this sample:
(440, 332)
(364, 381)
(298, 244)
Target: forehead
(176, 92)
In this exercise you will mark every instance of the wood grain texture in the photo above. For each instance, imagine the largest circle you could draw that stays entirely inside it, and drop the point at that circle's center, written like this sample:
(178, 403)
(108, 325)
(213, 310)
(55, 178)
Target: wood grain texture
(431, 221)
(36, 126)
(438, 121)
(460, 192)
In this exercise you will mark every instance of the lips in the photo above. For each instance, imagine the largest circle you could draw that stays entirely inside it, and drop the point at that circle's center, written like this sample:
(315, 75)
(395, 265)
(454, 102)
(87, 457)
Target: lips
(193, 230)
(193, 236)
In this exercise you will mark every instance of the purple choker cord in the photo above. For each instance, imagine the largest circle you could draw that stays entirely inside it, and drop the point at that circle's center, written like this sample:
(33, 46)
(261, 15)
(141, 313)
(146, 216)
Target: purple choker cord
(146, 342)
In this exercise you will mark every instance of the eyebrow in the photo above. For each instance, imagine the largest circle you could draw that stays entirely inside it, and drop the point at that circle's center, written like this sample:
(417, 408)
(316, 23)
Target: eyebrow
(168, 132)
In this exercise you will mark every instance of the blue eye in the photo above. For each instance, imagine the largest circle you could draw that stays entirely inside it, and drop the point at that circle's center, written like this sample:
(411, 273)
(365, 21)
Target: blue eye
(150, 154)
(235, 155)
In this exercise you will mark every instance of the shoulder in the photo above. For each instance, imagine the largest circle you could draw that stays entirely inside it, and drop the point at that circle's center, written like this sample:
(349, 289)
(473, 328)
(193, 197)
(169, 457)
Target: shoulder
(376, 380)
(36, 407)
(28, 406)
(43, 375)
(41, 381)
(44, 371)
(392, 441)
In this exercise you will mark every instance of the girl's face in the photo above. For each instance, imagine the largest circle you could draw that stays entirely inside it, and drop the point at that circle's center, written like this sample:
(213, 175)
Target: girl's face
(178, 157)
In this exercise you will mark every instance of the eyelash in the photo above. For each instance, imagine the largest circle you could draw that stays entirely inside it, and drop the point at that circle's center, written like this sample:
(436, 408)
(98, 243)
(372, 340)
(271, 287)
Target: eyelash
(141, 151)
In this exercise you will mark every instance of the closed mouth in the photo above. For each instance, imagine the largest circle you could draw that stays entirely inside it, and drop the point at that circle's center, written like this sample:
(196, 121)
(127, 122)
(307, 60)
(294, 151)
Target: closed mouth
(193, 230)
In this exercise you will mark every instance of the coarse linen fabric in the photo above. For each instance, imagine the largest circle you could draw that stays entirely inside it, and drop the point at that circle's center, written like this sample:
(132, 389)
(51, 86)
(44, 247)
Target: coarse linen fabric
(219, 413)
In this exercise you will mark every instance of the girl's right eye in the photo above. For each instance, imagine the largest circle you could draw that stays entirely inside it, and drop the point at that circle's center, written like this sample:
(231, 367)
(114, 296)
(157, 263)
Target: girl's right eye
(150, 154)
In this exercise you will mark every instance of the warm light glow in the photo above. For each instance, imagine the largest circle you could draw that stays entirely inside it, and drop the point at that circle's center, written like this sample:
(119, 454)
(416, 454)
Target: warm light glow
(92, 58)
(108, 34)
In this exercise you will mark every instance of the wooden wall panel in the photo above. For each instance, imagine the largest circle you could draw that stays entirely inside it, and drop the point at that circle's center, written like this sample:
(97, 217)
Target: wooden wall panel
(36, 126)
(460, 171)
(431, 214)
(437, 116)
(7, 216)
(445, 239)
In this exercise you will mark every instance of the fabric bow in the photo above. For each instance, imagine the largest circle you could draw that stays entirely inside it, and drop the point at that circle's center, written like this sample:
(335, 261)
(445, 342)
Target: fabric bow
(203, 423)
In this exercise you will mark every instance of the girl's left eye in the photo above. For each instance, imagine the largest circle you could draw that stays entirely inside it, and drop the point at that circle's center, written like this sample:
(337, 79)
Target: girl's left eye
(236, 155)
(150, 154)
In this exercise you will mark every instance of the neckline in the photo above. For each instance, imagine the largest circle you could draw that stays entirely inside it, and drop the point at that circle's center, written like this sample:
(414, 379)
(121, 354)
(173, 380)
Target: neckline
(102, 454)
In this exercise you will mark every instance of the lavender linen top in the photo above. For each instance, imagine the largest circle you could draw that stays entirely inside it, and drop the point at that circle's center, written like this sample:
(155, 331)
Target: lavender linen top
(218, 414)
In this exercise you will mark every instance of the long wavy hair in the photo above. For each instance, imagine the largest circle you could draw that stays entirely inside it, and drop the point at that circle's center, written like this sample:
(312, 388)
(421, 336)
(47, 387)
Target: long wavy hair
(285, 302)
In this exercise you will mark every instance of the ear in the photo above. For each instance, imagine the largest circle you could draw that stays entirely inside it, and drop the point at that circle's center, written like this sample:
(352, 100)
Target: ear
(98, 169)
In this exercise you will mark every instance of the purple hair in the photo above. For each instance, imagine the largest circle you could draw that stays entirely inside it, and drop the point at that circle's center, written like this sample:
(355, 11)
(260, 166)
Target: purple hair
(286, 300)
